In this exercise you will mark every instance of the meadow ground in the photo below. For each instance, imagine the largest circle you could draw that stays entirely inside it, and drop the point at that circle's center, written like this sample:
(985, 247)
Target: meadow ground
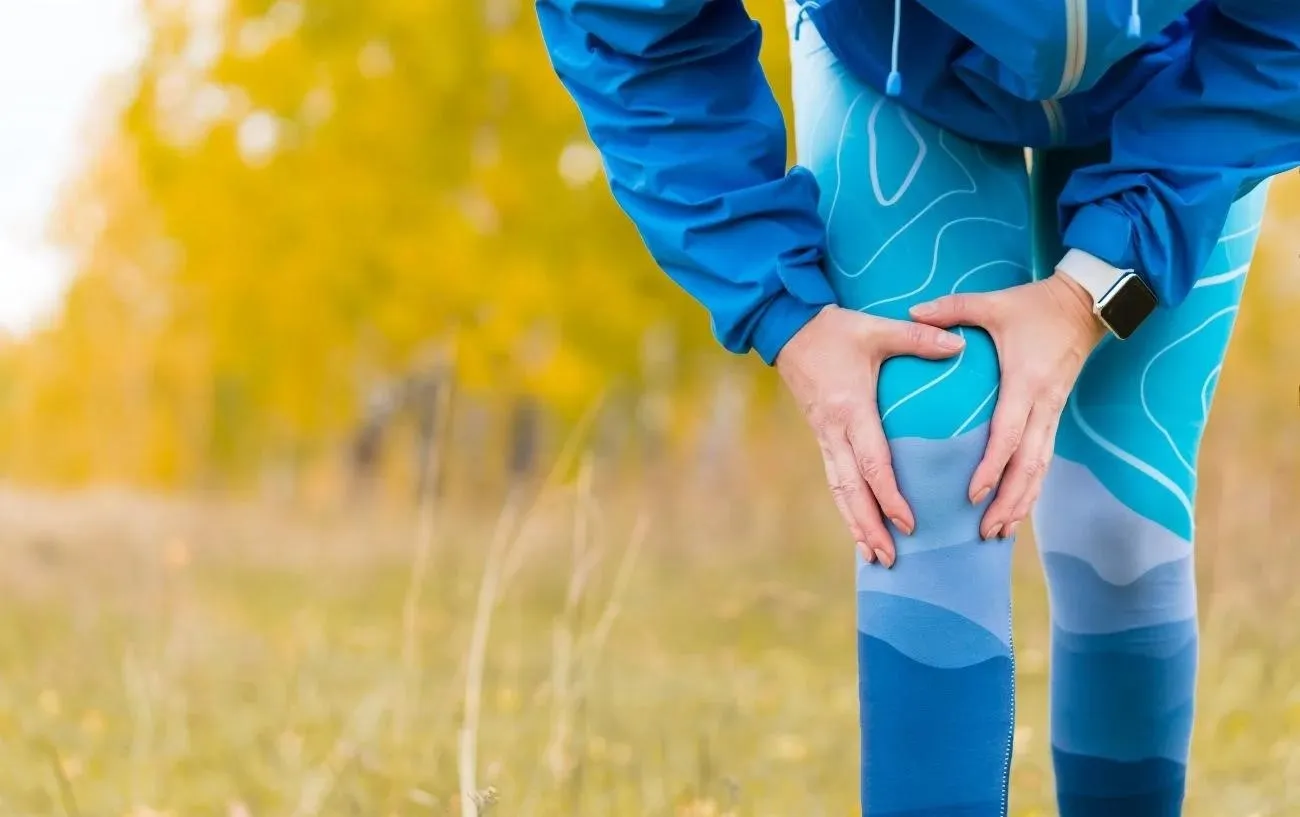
(637, 650)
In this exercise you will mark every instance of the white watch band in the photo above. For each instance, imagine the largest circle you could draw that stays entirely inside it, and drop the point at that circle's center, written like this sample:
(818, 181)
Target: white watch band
(1093, 274)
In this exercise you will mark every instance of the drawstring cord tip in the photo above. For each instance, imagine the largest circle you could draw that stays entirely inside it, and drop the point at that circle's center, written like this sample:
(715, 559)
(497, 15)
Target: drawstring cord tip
(894, 84)
(805, 8)
(1134, 26)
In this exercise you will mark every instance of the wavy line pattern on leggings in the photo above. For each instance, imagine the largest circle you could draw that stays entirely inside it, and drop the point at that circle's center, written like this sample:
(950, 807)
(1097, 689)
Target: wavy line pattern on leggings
(1120, 562)
(1165, 372)
(952, 367)
(907, 223)
(927, 215)
(1123, 602)
(914, 213)
(934, 645)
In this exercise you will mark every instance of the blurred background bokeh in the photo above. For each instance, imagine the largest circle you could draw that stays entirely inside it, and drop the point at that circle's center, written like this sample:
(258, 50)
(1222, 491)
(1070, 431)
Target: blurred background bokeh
(355, 459)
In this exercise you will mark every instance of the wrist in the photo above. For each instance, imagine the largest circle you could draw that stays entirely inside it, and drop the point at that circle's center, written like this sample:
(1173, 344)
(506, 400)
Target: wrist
(1076, 303)
(799, 338)
(784, 318)
(1121, 300)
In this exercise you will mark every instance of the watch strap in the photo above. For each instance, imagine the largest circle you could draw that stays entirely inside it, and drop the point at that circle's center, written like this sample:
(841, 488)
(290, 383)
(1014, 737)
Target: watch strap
(1093, 274)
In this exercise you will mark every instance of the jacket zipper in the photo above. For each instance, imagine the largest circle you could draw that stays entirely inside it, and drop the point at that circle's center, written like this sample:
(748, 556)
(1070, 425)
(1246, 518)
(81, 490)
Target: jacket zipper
(1076, 54)
(1076, 46)
(1055, 120)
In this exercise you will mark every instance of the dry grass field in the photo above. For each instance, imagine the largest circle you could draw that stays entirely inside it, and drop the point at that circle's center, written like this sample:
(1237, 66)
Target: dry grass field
(591, 646)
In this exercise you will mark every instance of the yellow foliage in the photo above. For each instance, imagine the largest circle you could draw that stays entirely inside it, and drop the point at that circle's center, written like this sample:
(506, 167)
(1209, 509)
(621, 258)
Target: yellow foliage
(302, 198)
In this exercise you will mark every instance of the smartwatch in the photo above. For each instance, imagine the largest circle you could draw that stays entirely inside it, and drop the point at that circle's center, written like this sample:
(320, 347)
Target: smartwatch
(1121, 300)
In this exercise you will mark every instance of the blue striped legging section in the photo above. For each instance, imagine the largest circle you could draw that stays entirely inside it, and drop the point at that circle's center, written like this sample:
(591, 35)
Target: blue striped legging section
(912, 213)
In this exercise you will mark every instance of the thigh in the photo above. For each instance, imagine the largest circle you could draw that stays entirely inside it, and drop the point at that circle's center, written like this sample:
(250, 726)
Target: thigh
(912, 212)
(1138, 411)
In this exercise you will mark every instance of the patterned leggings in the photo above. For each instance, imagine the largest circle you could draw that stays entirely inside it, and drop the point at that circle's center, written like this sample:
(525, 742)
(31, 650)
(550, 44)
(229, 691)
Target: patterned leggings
(914, 212)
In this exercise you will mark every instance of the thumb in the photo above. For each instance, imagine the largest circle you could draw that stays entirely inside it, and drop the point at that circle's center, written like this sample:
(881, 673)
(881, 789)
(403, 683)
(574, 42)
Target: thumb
(918, 339)
(954, 310)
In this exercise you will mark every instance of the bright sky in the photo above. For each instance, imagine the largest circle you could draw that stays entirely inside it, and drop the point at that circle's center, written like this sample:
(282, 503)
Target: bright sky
(54, 56)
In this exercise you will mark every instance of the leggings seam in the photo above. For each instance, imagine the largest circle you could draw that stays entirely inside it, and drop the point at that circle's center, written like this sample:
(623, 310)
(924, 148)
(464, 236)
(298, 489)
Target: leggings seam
(1011, 723)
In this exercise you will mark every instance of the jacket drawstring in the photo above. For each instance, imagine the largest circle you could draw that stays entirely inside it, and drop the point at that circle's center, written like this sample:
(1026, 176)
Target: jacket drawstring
(1134, 22)
(803, 15)
(894, 84)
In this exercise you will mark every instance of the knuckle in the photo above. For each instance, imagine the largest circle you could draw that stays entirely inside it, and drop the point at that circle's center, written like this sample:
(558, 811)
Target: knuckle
(1011, 436)
(1035, 467)
(966, 306)
(1054, 398)
(867, 441)
(842, 490)
(870, 467)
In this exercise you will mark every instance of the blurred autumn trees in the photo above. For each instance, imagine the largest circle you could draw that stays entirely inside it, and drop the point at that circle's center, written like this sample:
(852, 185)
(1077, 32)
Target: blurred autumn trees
(307, 210)
(305, 199)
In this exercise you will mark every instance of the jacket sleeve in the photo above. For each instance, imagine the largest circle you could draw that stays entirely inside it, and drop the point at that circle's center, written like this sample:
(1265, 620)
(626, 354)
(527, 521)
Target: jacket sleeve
(693, 144)
(1204, 132)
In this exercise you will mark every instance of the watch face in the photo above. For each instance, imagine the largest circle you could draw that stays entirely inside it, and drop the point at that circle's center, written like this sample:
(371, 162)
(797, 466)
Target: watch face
(1127, 305)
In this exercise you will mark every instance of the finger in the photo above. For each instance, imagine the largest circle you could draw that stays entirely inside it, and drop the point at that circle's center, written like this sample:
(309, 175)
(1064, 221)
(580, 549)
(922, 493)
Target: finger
(832, 477)
(893, 338)
(1025, 505)
(874, 462)
(1024, 475)
(1006, 430)
(852, 489)
(849, 492)
(966, 309)
(1030, 499)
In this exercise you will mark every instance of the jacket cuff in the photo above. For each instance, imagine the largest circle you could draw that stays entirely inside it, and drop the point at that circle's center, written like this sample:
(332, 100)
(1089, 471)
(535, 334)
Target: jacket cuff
(781, 319)
(1105, 234)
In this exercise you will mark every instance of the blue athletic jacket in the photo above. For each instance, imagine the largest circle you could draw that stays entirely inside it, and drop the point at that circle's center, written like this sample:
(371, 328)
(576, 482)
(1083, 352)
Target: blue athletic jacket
(1200, 103)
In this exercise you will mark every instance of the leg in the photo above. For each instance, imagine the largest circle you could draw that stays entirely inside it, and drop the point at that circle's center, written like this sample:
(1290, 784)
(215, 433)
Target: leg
(914, 213)
(1114, 526)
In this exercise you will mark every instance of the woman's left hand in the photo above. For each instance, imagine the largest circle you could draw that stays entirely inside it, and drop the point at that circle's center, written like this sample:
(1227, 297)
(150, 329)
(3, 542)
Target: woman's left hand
(1043, 333)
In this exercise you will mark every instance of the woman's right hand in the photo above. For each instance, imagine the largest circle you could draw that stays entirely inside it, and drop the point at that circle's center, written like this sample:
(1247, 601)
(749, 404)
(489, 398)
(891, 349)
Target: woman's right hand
(831, 366)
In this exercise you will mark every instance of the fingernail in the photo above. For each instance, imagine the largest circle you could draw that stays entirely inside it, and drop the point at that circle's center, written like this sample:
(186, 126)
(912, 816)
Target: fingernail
(979, 496)
(866, 552)
(927, 308)
(1011, 531)
(950, 341)
(898, 523)
(994, 531)
(883, 558)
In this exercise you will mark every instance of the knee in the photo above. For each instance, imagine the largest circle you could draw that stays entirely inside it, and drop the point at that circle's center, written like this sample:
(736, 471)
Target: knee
(940, 399)
(947, 598)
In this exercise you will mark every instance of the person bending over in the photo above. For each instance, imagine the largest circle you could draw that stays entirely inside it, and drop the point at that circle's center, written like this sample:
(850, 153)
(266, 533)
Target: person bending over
(949, 320)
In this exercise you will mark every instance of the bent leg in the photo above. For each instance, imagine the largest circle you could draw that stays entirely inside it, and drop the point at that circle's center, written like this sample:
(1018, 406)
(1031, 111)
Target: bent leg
(1115, 530)
(914, 213)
